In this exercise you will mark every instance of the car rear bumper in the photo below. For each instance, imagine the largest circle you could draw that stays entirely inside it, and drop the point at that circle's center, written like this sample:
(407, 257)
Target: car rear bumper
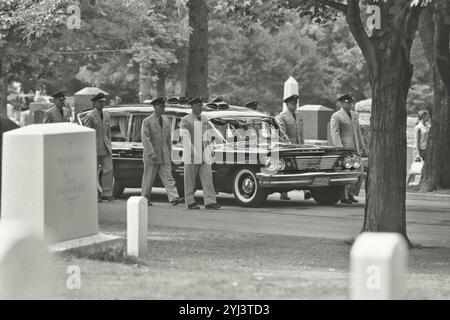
(307, 180)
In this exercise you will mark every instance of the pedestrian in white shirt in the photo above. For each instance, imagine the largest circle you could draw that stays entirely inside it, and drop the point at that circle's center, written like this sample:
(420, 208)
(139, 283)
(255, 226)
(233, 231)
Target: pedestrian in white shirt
(421, 132)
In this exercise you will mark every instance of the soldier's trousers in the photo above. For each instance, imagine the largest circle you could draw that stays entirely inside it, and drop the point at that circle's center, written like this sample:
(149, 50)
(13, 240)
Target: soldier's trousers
(191, 171)
(353, 189)
(107, 174)
(165, 174)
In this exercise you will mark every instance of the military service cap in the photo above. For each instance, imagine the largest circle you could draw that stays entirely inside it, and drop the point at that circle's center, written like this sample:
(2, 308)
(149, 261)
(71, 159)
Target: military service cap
(158, 101)
(59, 94)
(346, 98)
(196, 100)
(99, 97)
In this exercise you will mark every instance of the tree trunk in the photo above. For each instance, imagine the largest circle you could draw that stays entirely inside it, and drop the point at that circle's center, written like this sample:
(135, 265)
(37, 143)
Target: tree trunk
(445, 176)
(432, 171)
(3, 89)
(442, 60)
(161, 84)
(385, 203)
(145, 83)
(197, 69)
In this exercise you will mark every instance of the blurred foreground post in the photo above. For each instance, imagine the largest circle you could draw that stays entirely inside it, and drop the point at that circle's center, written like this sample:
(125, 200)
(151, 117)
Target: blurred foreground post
(378, 263)
(24, 263)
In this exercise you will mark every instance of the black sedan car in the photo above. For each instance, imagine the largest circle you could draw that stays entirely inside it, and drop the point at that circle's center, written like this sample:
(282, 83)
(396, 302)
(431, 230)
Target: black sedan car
(250, 171)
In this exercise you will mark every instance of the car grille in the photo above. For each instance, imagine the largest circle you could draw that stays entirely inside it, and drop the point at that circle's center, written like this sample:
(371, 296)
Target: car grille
(315, 163)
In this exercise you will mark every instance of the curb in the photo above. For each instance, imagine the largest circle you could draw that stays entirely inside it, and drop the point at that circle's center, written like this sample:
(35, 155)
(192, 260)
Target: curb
(420, 196)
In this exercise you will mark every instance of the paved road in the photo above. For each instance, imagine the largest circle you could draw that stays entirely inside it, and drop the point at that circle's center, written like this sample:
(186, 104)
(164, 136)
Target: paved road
(428, 221)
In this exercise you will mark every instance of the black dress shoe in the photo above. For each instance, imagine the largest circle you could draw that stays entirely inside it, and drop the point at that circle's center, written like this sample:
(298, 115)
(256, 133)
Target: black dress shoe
(353, 199)
(213, 206)
(308, 195)
(108, 198)
(346, 201)
(177, 201)
(193, 206)
(284, 197)
(149, 204)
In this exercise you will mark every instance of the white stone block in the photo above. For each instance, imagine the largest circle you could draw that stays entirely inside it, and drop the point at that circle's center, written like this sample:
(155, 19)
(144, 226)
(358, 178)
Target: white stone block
(290, 88)
(49, 180)
(137, 226)
(24, 263)
(378, 263)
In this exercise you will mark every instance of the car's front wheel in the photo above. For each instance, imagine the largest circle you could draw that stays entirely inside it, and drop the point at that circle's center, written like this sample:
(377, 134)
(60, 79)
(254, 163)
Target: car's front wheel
(246, 189)
(328, 195)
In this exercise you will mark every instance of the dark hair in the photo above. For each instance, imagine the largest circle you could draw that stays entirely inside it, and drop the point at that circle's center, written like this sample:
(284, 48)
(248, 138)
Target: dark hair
(421, 114)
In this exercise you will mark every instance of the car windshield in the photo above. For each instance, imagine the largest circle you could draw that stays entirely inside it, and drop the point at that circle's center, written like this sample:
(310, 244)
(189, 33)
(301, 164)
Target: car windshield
(244, 129)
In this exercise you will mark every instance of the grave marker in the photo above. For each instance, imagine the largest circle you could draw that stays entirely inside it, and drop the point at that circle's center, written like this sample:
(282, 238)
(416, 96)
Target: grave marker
(49, 179)
(137, 226)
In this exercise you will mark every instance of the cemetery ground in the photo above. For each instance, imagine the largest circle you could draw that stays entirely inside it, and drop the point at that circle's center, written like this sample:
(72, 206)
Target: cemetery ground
(286, 250)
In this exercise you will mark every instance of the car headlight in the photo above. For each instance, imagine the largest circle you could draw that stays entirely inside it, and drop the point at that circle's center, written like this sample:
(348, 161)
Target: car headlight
(348, 162)
(272, 164)
(281, 165)
(357, 162)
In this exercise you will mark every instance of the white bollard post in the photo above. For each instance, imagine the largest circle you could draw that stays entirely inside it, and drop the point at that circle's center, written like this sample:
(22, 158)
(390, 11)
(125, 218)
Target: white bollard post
(137, 227)
(378, 263)
(290, 88)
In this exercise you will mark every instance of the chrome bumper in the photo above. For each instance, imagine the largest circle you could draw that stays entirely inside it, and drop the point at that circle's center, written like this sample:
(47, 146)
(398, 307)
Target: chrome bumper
(306, 180)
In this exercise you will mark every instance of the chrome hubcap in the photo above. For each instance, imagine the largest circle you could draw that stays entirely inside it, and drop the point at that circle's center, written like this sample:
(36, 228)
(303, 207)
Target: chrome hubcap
(248, 185)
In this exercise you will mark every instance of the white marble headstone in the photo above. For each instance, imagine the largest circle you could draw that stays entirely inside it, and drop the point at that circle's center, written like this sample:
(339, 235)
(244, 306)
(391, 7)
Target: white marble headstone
(378, 263)
(49, 180)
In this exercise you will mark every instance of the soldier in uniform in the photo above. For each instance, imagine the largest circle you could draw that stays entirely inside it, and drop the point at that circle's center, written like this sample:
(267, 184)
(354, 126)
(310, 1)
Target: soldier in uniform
(57, 113)
(346, 132)
(193, 128)
(100, 121)
(157, 143)
(291, 124)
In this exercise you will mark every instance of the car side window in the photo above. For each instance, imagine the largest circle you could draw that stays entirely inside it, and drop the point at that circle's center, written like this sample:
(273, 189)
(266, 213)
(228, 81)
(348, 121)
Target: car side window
(176, 137)
(119, 128)
(136, 125)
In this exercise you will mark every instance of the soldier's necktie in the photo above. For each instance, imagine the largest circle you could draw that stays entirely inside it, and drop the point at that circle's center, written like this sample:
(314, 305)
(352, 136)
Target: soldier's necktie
(161, 122)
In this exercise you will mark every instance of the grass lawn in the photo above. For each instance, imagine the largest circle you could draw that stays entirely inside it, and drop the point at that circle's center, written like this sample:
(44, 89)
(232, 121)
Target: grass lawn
(198, 264)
